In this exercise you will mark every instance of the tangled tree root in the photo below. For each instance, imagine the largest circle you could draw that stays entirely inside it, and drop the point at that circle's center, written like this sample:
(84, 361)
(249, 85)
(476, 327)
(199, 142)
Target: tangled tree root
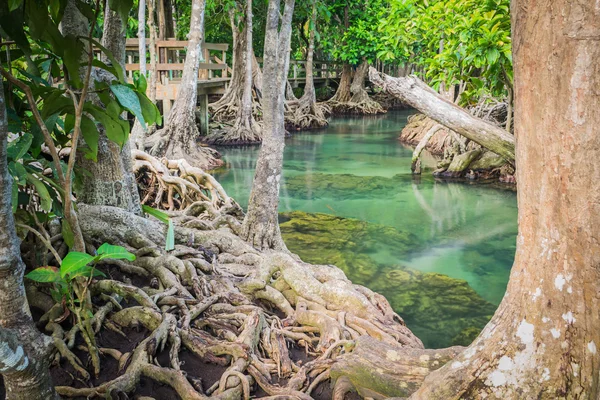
(244, 130)
(175, 184)
(221, 300)
(306, 114)
(365, 106)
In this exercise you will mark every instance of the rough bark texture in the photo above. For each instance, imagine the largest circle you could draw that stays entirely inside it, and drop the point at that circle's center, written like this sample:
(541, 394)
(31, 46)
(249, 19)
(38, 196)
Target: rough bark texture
(245, 129)
(23, 349)
(373, 367)
(178, 139)
(542, 342)
(413, 91)
(111, 180)
(342, 94)
(260, 227)
(307, 113)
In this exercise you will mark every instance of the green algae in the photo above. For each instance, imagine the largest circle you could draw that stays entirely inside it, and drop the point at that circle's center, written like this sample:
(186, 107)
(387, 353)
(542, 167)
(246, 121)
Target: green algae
(430, 303)
(345, 186)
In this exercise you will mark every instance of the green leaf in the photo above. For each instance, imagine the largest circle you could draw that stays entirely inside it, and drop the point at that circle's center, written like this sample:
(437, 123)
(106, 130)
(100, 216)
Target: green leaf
(149, 110)
(116, 129)
(90, 134)
(87, 271)
(17, 148)
(170, 241)
(18, 172)
(159, 215)
(129, 99)
(67, 233)
(42, 191)
(14, 4)
(120, 73)
(122, 7)
(114, 252)
(141, 84)
(44, 274)
(73, 262)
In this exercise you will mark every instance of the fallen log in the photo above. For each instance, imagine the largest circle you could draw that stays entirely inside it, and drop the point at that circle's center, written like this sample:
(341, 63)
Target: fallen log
(414, 92)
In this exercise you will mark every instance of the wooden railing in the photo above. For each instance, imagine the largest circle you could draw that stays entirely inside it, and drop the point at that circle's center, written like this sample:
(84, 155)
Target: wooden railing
(321, 69)
(171, 58)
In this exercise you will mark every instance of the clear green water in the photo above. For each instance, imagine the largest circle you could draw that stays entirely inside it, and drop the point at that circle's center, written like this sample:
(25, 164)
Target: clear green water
(356, 168)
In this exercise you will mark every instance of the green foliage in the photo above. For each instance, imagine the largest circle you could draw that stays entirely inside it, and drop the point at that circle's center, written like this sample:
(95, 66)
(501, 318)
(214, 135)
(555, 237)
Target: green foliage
(50, 64)
(455, 41)
(77, 265)
(164, 218)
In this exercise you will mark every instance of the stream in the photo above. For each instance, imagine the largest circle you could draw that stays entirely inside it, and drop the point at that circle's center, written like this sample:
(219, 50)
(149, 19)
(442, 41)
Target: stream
(440, 251)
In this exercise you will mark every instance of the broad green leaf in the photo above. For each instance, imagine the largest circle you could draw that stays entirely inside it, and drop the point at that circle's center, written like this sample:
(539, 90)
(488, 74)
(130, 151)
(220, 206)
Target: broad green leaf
(115, 252)
(17, 148)
(122, 7)
(149, 110)
(116, 129)
(129, 99)
(44, 274)
(18, 172)
(120, 73)
(161, 216)
(141, 84)
(67, 233)
(42, 191)
(73, 262)
(170, 240)
(87, 271)
(90, 134)
(14, 4)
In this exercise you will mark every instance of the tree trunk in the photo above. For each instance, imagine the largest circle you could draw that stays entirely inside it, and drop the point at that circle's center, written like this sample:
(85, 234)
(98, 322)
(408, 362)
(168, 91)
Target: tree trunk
(24, 351)
(342, 94)
(245, 128)
(112, 181)
(153, 76)
(179, 137)
(261, 227)
(308, 114)
(411, 90)
(359, 102)
(542, 342)
(137, 133)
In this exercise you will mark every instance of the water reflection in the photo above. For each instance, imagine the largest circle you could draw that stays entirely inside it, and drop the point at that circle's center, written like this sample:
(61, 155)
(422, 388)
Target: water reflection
(356, 168)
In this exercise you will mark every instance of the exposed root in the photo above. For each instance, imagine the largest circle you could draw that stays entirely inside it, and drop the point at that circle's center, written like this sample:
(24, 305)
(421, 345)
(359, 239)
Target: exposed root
(306, 113)
(244, 130)
(219, 299)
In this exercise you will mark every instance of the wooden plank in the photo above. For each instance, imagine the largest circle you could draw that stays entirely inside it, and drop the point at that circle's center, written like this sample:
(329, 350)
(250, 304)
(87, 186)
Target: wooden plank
(176, 67)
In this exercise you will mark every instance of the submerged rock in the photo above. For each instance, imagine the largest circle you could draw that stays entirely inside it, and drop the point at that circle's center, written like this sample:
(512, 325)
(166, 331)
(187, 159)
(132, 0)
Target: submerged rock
(436, 307)
(344, 186)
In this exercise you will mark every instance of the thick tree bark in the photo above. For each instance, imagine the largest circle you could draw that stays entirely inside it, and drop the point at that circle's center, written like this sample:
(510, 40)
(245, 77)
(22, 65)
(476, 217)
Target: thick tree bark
(307, 113)
(543, 340)
(261, 227)
(179, 137)
(153, 73)
(112, 181)
(359, 101)
(24, 351)
(414, 92)
(342, 94)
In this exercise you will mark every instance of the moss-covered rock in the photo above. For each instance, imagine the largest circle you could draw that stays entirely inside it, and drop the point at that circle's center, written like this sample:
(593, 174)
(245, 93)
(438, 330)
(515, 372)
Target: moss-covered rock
(344, 186)
(436, 307)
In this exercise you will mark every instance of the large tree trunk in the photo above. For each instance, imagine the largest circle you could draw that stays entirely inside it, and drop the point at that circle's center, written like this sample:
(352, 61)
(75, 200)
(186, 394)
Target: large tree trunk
(411, 90)
(112, 181)
(261, 227)
(307, 113)
(179, 137)
(24, 351)
(342, 94)
(543, 340)
(245, 128)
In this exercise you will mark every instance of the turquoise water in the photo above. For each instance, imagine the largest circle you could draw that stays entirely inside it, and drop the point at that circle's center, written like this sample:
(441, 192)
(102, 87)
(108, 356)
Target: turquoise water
(357, 168)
